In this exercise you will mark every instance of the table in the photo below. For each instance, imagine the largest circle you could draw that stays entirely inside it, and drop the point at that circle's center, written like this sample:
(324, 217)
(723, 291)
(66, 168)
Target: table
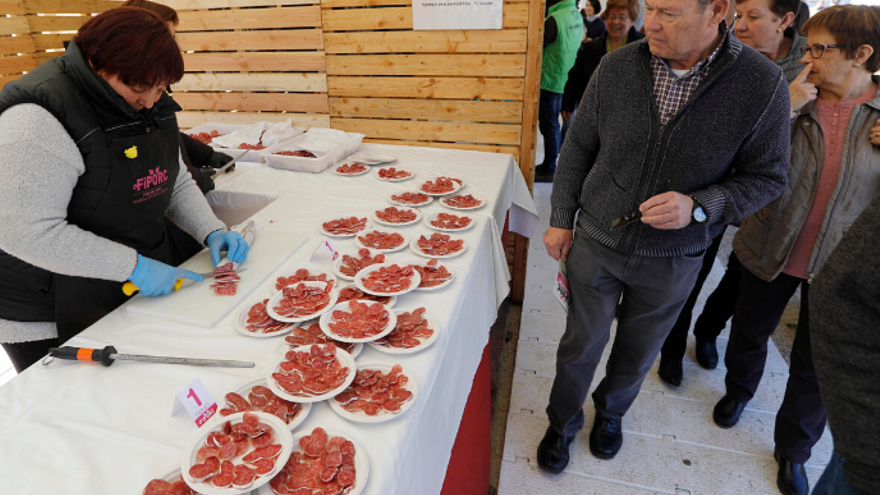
(71, 427)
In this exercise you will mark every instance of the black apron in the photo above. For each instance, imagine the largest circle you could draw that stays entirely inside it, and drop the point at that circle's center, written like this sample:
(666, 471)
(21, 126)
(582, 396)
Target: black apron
(144, 169)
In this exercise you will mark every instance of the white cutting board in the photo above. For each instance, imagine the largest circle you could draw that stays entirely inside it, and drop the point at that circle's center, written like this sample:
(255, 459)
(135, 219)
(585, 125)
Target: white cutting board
(198, 305)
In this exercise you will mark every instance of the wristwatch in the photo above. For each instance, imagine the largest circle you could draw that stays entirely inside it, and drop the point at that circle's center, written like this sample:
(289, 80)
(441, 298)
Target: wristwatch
(698, 214)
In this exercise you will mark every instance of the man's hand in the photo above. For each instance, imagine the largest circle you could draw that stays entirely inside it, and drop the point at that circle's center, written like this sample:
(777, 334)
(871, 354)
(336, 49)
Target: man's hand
(875, 133)
(558, 242)
(566, 116)
(800, 91)
(667, 211)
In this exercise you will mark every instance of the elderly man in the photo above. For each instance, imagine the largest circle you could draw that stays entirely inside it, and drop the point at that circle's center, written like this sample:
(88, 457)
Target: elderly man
(646, 169)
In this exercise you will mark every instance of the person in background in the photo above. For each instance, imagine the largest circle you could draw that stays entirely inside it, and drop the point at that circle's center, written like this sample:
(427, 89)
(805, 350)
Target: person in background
(803, 14)
(619, 15)
(201, 160)
(647, 196)
(563, 32)
(764, 25)
(834, 175)
(844, 311)
(593, 23)
(91, 169)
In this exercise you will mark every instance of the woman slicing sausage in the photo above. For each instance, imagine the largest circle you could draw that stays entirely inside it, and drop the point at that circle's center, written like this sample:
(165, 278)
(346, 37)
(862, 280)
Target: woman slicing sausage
(90, 168)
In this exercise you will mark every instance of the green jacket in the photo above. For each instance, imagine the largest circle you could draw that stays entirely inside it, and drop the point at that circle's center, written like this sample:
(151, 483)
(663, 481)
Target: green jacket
(559, 56)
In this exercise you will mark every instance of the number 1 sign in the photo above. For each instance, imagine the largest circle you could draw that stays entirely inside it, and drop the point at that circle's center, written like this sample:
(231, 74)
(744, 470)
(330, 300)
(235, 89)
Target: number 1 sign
(197, 402)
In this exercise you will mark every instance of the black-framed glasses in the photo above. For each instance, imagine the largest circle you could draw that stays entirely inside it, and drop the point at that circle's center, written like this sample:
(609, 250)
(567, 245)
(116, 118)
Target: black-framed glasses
(817, 50)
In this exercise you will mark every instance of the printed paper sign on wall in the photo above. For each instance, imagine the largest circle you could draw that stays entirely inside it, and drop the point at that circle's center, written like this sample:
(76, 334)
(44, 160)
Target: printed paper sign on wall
(457, 14)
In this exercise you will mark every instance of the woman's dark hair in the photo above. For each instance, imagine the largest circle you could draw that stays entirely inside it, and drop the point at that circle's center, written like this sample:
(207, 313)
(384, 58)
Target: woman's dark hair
(851, 26)
(597, 7)
(165, 12)
(782, 7)
(133, 44)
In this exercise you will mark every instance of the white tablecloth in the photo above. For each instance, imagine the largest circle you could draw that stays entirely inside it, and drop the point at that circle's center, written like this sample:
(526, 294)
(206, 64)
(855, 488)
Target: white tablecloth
(81, 428)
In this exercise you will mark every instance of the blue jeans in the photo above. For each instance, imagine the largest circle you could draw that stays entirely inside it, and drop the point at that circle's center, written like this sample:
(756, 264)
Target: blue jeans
(548, 122)
(832, 481)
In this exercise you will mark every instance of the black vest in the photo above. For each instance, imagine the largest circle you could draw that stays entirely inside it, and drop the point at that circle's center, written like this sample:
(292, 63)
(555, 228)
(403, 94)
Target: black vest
(127, 154)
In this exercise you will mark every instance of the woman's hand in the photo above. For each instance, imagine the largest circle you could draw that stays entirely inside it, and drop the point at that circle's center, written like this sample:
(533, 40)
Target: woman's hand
(234, 244)
(566, 116)
(154, 278)
(875, 133)
(800, 91)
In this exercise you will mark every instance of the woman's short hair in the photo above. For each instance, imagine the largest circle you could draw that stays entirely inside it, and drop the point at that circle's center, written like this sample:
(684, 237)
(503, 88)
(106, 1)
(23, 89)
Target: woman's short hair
(133, 44)
(165, 12)
(851, 26)
(782, 7)
(630, 6)
(597, 7)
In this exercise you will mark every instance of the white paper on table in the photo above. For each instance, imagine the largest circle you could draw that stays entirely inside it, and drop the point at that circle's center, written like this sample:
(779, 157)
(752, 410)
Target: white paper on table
(250, 135)
(281, 131)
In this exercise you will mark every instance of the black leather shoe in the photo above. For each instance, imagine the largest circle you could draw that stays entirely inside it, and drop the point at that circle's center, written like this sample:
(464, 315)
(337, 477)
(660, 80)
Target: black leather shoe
(792, 477)
(606, 437)
(727, 412)
(670, 371)
(707, 354)
(553, 451)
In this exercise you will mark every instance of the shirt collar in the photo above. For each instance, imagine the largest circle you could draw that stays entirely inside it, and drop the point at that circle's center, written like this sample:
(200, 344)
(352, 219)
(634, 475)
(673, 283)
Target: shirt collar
(702, 65)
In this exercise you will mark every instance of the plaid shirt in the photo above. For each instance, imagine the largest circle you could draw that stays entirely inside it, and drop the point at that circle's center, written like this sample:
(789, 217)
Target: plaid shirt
(672, 92)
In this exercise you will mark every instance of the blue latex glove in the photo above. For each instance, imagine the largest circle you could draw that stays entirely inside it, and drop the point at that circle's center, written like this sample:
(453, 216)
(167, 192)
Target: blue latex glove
(232, 242)
(154, 278)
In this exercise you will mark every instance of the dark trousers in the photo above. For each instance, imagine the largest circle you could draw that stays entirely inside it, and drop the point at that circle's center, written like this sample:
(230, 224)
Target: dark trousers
(654, 289)
(718, 309)
(801, 418)
(24, 354)
(548, 122)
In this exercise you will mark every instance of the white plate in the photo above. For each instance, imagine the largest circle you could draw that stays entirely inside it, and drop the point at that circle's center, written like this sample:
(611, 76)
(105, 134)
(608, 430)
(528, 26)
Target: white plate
(404, 224)
(482, 204)
(366, 170)
(408, 177)
(424, 345)
(384, 416)
(361, 462)
(390, 304)
(321, 227)
(280, 433)
(355, 351)
(402, 245)
(270, 308)
(372, 158)
(311, 273)
(172, 477)
(398, 203)
(436, 287)
(433, 217)
(338, 264)
(240, 323)
(344, 358)
(358, 279)
(414, 245)
(457, 188)
(326, 317)
(245, 388)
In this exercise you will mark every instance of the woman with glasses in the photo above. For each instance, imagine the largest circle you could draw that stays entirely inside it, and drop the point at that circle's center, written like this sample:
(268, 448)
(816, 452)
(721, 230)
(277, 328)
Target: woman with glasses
(834, 175)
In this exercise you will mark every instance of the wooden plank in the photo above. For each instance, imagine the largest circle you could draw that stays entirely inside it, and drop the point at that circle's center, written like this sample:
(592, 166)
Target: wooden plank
(8, 79)
(478, 41)
(14, 65)
(465, 88)
(520, 265)
(294, 39)
(14, 25)
(448, 110)
(431, 131)
(304, 82)
(192, 119)
(533, 91)
(255, 61)
(11, 7)
(515, 16)
(69, 6)
(280, 17)
(54, 23)
(427, 65)
(512, 150)
(10, 45)
(270, 102)
(50, 41)
(225, 4)
(329, 4)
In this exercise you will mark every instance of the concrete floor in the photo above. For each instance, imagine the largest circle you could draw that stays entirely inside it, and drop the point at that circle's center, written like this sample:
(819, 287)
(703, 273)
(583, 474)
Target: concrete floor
(670, 444)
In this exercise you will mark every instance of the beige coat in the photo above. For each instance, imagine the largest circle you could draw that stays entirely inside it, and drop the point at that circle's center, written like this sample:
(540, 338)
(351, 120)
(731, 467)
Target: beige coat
(764, 242)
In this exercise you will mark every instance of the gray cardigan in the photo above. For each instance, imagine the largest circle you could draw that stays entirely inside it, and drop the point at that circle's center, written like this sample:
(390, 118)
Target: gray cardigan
(616, 154)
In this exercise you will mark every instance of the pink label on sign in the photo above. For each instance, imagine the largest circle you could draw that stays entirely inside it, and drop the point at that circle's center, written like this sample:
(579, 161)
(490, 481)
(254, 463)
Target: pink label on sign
(197, 402)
